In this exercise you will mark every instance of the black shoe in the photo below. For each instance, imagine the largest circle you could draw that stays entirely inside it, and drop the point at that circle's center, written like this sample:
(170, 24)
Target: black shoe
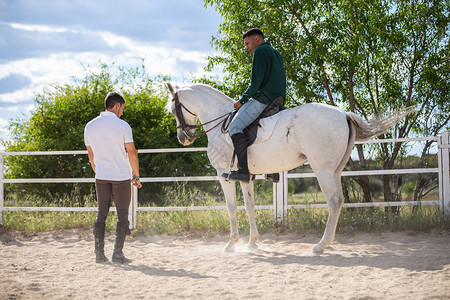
(236, 176)
(100, 257)
(119, 257)
(122, 228)
(99, 237)
(275, 177)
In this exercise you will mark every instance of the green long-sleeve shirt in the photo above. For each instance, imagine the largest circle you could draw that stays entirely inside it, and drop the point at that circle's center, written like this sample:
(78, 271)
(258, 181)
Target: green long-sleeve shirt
(268, 77)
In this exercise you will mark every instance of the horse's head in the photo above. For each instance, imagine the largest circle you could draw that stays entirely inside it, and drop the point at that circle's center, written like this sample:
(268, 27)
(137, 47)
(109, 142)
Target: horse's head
(186, 123)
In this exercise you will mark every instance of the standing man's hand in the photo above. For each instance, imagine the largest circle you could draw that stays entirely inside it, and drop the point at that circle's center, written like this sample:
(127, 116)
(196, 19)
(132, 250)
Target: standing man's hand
(237, 105)
(136, 182)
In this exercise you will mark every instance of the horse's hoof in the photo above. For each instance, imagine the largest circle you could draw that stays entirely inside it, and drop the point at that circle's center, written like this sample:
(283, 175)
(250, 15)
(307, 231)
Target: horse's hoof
(229, 248)
(318, 249)
(252, 246)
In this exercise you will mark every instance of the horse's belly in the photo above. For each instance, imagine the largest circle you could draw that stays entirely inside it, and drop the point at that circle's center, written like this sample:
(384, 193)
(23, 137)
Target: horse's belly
(309, 133)
(273, 157)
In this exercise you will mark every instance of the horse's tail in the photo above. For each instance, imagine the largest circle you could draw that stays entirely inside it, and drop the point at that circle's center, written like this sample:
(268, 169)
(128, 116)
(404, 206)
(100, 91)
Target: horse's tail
(350, 143)
(369, 129)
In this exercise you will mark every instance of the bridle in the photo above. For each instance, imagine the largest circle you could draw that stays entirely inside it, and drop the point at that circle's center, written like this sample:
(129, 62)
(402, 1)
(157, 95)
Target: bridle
(224, 120)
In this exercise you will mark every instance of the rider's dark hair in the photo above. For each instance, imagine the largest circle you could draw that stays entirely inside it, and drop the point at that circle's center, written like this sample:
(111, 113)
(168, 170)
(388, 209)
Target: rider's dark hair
(253, 31)
(112, 99)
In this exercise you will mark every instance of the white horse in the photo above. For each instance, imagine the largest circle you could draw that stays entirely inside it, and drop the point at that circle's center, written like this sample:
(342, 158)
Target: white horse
(321, 134)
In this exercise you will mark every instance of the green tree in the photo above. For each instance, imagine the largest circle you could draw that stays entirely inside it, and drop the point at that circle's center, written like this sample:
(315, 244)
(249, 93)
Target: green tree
(368, 57)
(58, 121)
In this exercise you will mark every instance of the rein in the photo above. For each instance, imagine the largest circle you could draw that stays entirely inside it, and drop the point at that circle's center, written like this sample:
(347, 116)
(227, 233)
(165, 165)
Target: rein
(185, 127)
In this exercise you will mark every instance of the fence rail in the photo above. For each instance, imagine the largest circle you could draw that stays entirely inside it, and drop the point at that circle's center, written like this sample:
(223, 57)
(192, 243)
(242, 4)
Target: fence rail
(280, 204)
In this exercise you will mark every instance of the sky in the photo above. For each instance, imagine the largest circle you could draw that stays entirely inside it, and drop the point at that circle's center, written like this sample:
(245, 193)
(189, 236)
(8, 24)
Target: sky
(50, 41)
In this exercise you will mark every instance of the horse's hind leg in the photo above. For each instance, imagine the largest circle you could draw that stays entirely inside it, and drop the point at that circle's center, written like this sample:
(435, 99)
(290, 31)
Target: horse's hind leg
(229, 189)
(330, 185)
(249, 198)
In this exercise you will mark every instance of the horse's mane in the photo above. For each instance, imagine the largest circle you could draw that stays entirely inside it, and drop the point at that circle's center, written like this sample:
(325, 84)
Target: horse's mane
(208, 88)
(199, 87)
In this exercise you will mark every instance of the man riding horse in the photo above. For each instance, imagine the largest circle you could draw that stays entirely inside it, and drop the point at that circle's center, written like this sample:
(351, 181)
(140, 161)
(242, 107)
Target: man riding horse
(268, 82)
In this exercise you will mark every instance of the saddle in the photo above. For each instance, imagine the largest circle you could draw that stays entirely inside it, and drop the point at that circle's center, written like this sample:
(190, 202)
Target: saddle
(251, 131)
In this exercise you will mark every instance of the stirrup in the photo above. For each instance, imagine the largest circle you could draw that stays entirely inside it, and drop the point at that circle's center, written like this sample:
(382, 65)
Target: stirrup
(226, 176)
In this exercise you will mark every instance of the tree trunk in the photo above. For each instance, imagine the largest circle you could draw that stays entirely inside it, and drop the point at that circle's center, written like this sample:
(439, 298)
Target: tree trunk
(345, 191)
(387, 190)
(364, 180)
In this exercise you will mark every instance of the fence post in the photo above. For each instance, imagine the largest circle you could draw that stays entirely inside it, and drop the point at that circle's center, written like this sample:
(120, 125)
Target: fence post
(280, 200)
(133, 207)
(444, 173)
(2, 189)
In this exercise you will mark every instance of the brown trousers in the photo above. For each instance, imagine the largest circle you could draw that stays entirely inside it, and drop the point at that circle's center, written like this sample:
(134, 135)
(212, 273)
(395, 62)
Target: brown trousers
(120, 191)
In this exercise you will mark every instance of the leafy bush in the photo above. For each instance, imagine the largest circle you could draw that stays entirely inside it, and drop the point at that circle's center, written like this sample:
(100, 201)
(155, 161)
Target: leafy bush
(58, 121)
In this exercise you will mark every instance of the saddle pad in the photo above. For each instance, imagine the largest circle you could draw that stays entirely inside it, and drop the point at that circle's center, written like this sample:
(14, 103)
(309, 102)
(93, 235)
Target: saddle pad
(266, 129)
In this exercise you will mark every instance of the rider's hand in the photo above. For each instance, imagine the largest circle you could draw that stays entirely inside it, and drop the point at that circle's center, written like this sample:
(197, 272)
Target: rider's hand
(237, 105)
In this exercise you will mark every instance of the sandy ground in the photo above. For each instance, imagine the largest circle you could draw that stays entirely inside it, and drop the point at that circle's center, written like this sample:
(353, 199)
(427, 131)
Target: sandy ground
(60, 265)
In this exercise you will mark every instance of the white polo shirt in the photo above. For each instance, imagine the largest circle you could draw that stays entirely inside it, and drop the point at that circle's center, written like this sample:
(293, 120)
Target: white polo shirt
(106, 135)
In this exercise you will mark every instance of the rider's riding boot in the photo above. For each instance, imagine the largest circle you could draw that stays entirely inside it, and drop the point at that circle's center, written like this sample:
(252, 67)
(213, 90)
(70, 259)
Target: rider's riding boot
(99, 236)
(240, 148)
(274, 177)
(121, 232)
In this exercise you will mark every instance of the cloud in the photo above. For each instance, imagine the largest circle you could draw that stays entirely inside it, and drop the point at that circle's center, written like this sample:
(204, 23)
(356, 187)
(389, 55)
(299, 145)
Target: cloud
(3, 123)
(21, 80)
(42, 41)
(121, 50)
(185, 24)
(40, 28)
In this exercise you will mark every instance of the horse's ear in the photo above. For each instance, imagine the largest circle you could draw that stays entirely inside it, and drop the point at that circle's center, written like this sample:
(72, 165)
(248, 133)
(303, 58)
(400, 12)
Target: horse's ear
(172, 91)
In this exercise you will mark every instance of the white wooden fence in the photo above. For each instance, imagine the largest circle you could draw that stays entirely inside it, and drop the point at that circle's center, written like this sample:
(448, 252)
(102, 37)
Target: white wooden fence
(280, 204)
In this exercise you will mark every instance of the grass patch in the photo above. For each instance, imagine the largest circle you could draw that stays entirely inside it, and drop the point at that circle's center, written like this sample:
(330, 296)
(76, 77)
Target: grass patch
(215, 222)
(422, 218)
(207, 223)
(38, 221)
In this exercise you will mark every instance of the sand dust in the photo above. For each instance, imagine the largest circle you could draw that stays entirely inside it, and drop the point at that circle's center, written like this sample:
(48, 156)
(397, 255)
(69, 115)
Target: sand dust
(60, 265)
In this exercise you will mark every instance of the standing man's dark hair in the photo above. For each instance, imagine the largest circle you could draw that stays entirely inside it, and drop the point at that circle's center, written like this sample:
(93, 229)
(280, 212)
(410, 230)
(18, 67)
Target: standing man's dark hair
(112, 99)
(113, 157)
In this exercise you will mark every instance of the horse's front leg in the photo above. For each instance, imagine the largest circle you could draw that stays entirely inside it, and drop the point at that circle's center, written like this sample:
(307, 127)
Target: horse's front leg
(249, 198)
(229, 189)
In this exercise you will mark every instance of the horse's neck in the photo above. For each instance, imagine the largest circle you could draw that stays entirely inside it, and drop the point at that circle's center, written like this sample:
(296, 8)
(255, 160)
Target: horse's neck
(211, 105)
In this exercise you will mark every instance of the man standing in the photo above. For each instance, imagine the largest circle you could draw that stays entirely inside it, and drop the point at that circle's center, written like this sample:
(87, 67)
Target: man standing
(108, 140)
(268, 81)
